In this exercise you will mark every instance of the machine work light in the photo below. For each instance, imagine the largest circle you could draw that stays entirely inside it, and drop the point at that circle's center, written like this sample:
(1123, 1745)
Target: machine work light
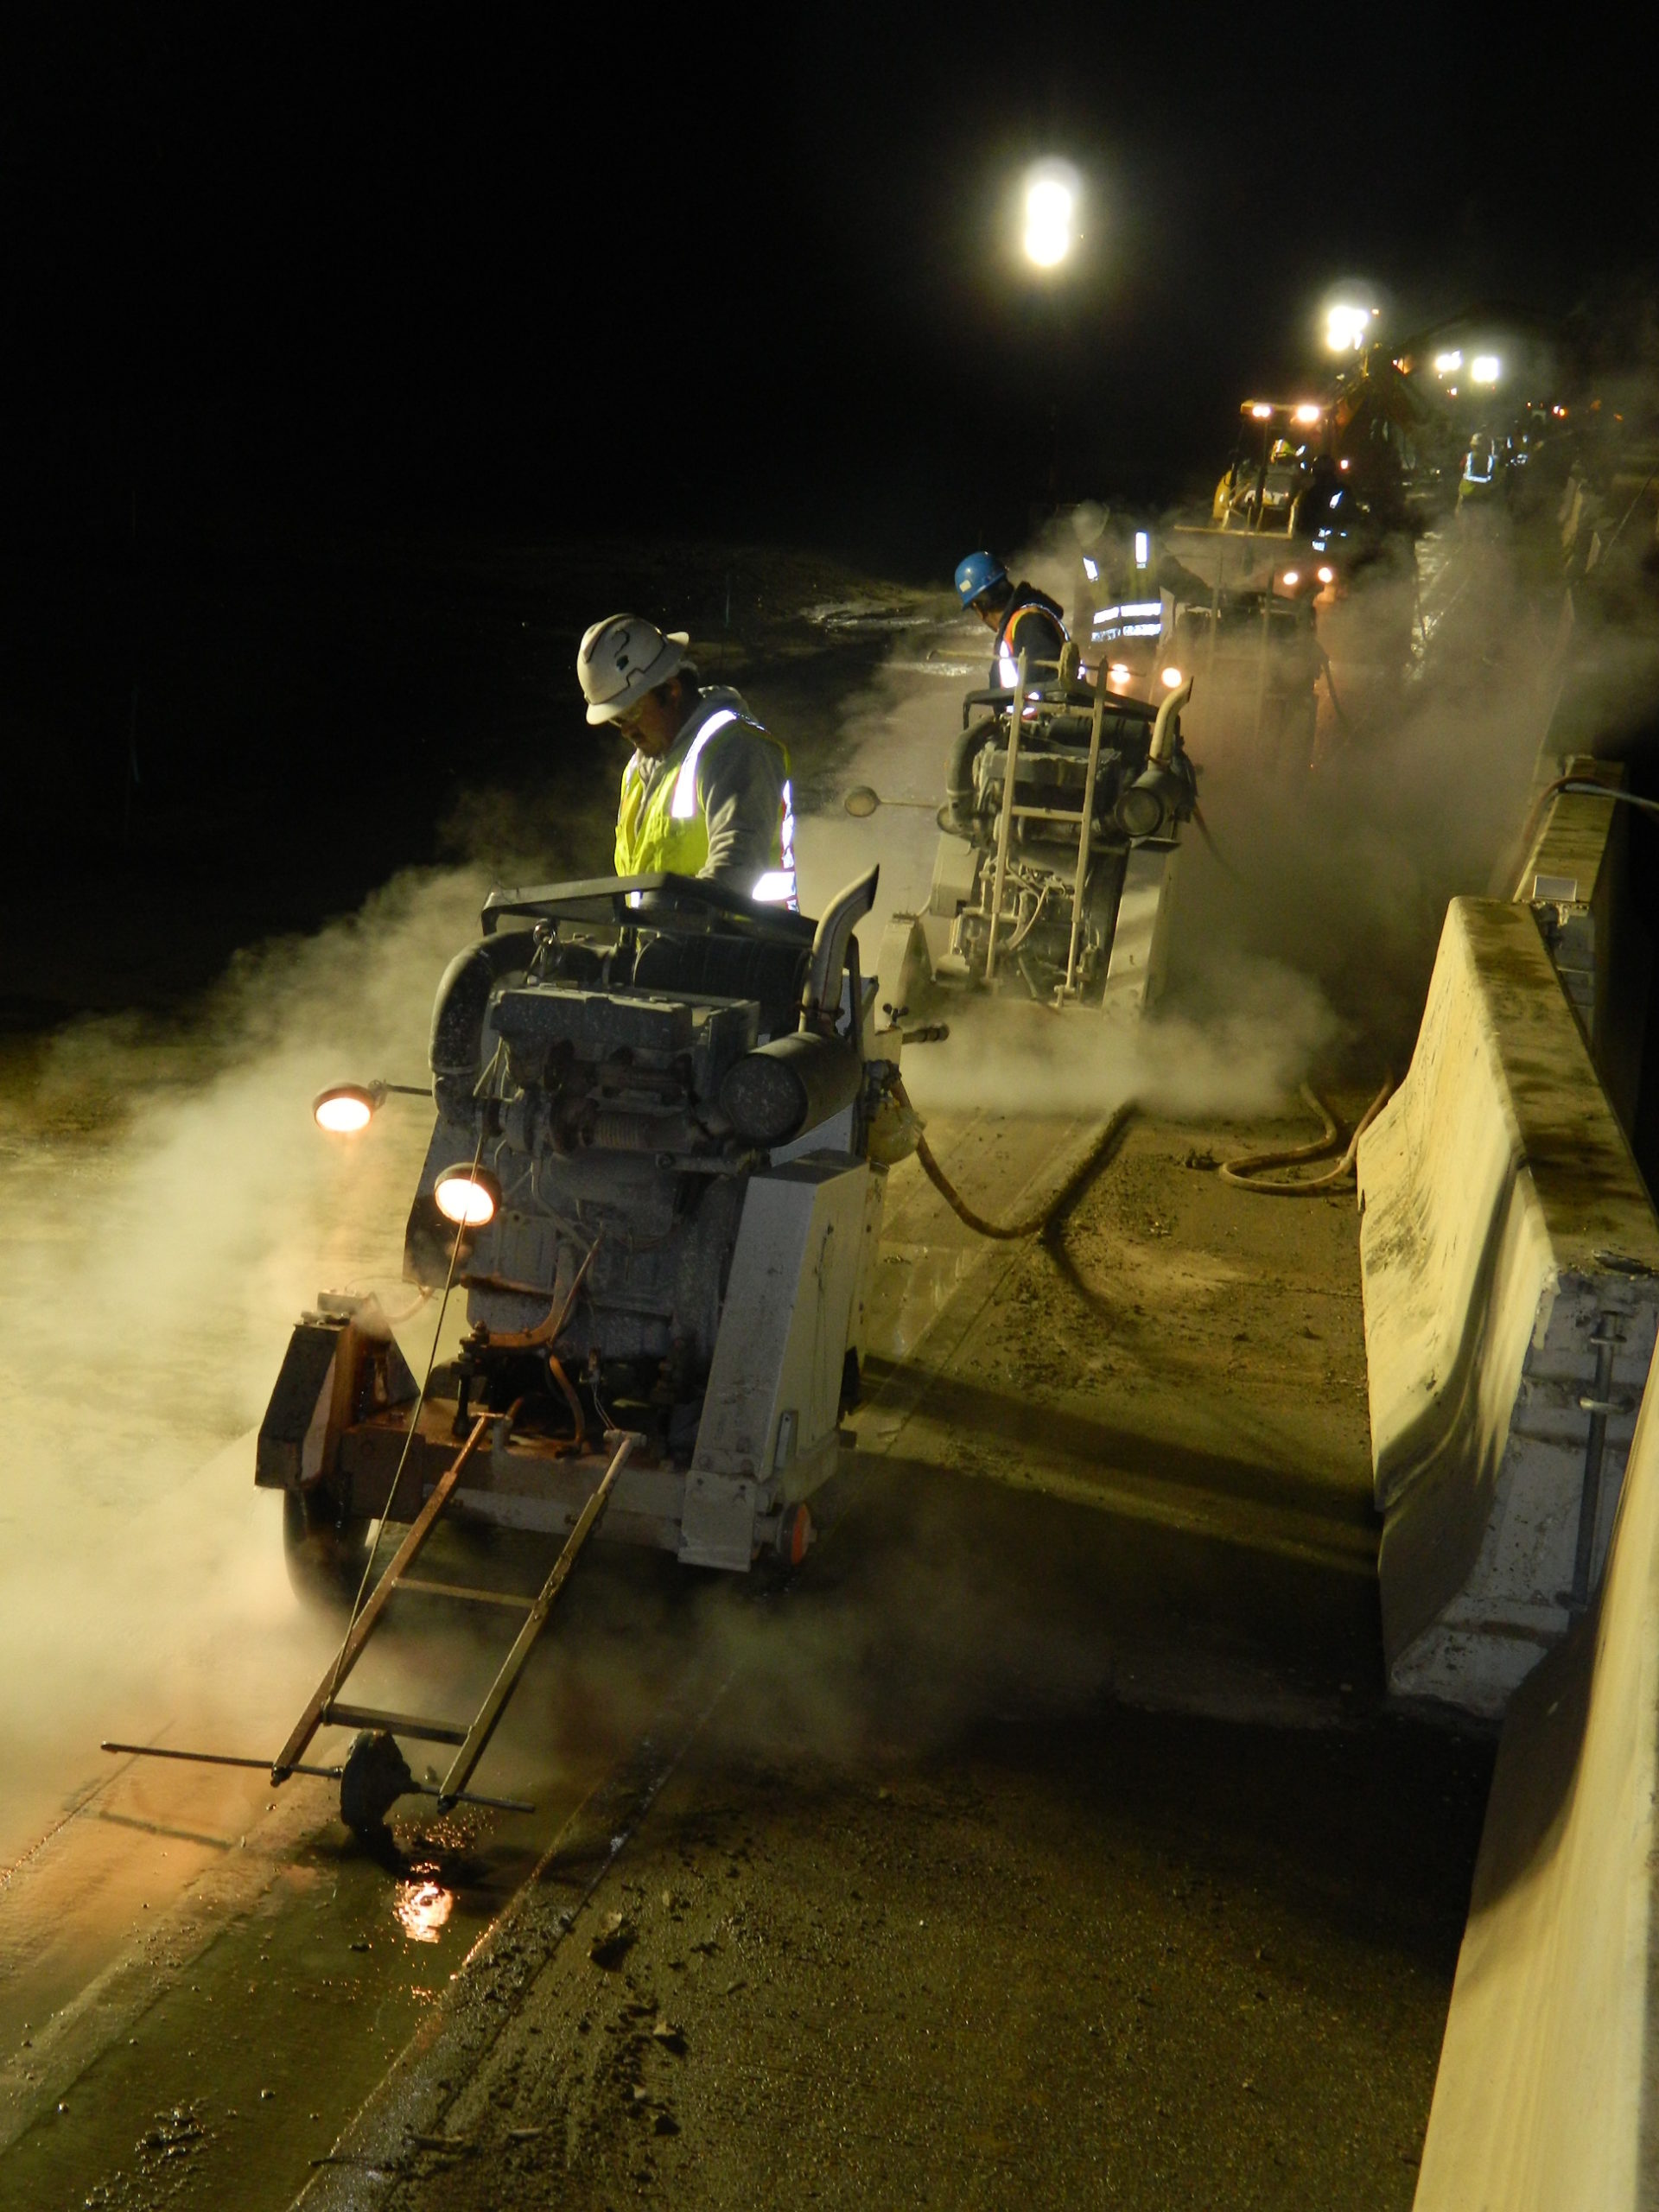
(1485, 368)
(467, 1196)
(345, 1108)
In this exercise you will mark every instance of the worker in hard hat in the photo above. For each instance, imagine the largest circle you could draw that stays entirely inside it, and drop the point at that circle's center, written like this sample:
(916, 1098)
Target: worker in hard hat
(706, 791)
(1025, 620)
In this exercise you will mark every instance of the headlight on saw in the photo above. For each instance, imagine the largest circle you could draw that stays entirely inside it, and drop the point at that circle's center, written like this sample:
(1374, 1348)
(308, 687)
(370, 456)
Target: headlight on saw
(345, 1108)
(467, 1196)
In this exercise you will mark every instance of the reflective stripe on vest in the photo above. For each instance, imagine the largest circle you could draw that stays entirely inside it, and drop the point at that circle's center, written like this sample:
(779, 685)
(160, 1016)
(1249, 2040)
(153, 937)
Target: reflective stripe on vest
(664, 831)
(1007, 661)
(684, 804)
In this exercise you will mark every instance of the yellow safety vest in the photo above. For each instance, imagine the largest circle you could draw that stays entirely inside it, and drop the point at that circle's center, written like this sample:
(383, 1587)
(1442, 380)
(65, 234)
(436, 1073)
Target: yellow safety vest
(665, 831)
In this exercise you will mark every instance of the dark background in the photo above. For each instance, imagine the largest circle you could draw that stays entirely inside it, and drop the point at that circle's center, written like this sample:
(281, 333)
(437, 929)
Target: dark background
(353, 360)
(575, 271)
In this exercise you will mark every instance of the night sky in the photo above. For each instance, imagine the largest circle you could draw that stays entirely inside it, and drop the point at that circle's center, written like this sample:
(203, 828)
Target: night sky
(583, 272)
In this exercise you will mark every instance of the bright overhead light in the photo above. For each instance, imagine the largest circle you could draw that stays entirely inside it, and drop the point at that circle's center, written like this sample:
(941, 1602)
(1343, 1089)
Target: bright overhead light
(1051, 214)
(467, 1195)
(1485, 368)
(1347, 326)
(1446, 362)
(1309, 414)
(1291, 578)
(1327, 575)
(1172, 676)
(1261, 409)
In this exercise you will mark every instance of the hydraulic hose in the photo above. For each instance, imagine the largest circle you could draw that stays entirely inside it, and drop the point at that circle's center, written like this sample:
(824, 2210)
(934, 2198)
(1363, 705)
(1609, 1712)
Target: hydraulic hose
(957, 814)
(1248, 1173)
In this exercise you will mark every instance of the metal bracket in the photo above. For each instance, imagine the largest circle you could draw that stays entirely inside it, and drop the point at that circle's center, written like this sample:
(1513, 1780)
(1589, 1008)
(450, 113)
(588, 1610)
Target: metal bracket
(1599, 1403)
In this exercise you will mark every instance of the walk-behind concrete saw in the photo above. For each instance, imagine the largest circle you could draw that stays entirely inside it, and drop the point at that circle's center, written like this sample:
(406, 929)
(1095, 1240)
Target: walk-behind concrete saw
(664, 1119)
(1059, 836)
(650, 1177)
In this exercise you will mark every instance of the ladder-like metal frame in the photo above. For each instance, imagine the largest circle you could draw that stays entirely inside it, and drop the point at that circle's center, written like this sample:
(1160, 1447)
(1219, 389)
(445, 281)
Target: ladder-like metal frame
(327, 1708)
(1012, 813)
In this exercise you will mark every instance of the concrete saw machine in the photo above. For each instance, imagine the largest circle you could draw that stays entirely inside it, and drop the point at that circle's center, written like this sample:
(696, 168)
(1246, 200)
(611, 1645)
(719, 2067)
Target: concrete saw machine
(656, 1177)
(1060, 832)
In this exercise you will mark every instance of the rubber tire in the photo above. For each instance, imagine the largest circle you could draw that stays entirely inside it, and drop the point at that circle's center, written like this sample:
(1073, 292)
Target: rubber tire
(325, 1551)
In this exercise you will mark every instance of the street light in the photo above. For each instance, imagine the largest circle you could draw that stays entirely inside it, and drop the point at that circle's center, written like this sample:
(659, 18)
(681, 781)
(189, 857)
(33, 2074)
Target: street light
(1050, 215)
(1347, 325)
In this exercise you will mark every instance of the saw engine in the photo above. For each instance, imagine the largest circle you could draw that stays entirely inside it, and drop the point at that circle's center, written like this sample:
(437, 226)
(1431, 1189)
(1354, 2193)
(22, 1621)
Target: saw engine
(649, 1178)
(1059, 830)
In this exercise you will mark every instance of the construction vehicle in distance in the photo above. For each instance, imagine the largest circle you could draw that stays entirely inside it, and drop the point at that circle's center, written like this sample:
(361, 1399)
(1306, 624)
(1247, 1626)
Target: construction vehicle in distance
(1056, 857)
(1281, 470)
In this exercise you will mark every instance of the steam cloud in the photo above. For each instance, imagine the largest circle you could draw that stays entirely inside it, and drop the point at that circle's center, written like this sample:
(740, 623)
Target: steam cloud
(173, 1209)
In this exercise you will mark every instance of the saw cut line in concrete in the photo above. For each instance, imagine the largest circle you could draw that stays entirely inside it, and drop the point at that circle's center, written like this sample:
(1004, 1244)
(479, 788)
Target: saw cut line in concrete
(409, 2106)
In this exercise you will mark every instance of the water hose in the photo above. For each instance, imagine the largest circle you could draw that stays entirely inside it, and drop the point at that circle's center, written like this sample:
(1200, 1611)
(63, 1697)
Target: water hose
(1248, 1173)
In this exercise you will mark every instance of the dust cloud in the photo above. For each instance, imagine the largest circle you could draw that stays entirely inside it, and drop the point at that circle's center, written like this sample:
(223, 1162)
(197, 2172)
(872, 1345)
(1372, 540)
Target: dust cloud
(1308, 903)
(171, 1208)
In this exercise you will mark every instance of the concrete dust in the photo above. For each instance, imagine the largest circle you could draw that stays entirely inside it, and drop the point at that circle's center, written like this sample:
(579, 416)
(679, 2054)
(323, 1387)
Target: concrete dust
(171, 1207)
(1303, 929)
(1237, 1040)
(1344, 871)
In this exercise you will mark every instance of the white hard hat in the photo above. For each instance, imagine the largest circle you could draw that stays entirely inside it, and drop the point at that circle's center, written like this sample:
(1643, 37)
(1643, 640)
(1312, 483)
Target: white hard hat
(623, 658)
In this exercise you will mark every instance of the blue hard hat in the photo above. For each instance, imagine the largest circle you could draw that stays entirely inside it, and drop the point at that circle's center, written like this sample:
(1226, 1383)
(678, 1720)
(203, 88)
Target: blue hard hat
(976, 574)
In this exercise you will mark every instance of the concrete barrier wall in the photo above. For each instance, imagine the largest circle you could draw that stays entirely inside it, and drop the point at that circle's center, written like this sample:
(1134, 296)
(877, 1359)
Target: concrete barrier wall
(1575, 878)
(1545, 2098)
(1506, 1240)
